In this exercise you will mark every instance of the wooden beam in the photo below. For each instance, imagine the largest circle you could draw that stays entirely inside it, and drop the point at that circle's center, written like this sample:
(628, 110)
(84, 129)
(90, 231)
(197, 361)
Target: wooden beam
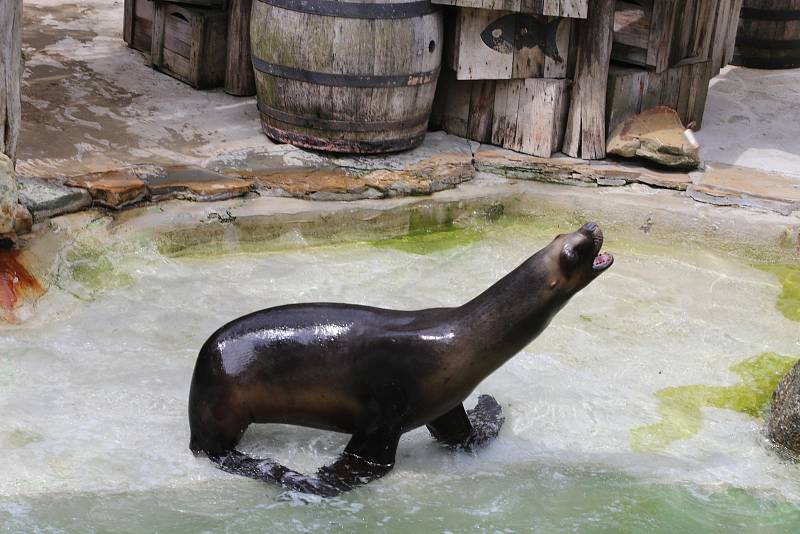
(239, 77)
(586, 126)
(10, 74)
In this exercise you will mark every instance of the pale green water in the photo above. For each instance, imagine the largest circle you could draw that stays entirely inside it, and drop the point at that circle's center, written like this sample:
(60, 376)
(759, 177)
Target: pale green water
(94, 434)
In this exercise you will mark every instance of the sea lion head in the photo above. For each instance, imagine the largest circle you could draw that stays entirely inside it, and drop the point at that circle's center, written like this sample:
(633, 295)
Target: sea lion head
(580, 259)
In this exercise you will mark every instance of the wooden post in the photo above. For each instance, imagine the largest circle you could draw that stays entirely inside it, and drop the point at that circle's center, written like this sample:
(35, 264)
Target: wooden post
(239, 78)
(10, 67)
(586, 126)
(10, 70)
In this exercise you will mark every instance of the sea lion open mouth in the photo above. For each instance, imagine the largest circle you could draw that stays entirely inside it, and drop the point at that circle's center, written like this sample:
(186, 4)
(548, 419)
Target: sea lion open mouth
(602, 261)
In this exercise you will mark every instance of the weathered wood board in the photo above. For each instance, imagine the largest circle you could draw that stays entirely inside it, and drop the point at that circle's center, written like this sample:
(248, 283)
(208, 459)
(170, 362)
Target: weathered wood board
(190, 44)
(137, 27)
(464, 108)
(664, 33)
(500, 45)
(723, 38)
(632, 90)
(530, 115)
(585, 134)
(10, 74)
(551, 8)
(239, 77)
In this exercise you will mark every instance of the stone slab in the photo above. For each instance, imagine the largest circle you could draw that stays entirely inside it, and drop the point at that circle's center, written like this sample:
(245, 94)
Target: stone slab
(729, 185)
(49, 199)
(113, 189)
(188, 182)
(572, 171)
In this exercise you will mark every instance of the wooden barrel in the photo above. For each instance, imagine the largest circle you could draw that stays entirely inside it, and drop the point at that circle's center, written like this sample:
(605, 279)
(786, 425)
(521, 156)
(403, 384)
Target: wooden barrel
(769, 34)
(346, 76)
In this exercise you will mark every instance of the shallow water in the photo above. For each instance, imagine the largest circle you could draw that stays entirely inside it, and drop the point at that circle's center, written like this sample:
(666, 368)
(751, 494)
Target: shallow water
(94, 432)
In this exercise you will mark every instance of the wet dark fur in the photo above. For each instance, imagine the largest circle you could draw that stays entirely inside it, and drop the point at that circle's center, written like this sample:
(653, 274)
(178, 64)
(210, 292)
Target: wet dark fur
(374, 373)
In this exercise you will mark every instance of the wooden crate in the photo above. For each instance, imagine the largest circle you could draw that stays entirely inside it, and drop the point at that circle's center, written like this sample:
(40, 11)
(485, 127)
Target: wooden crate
(485, 44)
(663, 33)
(523, 115)
(632, 90)
(137, 29)
(189, 44)
(551, 8)
(530, 115)
(463, 108)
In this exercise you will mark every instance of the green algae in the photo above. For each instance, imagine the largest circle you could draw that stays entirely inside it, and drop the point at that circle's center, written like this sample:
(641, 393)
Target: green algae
(789, 299)
(18, 438)
(91, 267)
(431, 241)
(680, 407)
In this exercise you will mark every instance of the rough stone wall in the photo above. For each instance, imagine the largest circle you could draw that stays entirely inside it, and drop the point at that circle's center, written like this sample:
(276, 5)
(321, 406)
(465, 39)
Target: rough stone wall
(10, 69)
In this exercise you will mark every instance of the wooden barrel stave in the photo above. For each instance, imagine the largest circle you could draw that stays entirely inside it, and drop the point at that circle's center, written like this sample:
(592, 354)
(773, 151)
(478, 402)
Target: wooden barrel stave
(337, 77)
(768, 35)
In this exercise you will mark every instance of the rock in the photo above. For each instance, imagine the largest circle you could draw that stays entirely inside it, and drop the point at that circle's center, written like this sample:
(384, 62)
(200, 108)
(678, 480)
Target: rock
(23, 220)
(186, 182)
(48, 199)
(116, 188)
(658, 135)
(8, 197)
(15, 219)
(783, 421)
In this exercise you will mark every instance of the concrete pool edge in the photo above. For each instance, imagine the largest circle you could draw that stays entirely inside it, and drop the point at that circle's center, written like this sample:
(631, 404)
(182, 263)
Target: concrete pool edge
(183, 228)
(635, 208)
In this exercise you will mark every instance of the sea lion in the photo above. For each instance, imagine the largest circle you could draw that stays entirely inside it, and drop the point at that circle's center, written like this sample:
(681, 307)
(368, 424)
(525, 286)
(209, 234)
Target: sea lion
(376, 373)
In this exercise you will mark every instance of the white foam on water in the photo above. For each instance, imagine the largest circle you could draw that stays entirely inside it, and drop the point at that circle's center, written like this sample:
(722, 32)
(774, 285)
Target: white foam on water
(94, 394)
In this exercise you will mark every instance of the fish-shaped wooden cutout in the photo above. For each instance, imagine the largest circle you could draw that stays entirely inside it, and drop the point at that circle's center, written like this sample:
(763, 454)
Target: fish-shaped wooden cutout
(523, 31)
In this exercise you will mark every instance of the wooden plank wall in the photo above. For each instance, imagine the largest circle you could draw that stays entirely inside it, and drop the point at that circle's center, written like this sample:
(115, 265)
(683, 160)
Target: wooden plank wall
(664, 33)
(485, 44)
(553, 8)
(723, 38)
(529, 115)
(585, 134)
(632, 90)
(464, 108)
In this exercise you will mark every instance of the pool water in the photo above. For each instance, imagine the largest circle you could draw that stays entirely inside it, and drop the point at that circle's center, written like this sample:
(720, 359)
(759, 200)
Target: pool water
(614, 418)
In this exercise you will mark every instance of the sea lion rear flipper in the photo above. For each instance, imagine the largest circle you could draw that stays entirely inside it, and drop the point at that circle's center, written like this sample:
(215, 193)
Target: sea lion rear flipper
(469, 429)
(452, 428)
(368, 456)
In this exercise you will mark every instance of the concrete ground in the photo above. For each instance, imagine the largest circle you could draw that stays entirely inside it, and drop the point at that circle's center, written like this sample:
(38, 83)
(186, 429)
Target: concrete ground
(91, 104)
